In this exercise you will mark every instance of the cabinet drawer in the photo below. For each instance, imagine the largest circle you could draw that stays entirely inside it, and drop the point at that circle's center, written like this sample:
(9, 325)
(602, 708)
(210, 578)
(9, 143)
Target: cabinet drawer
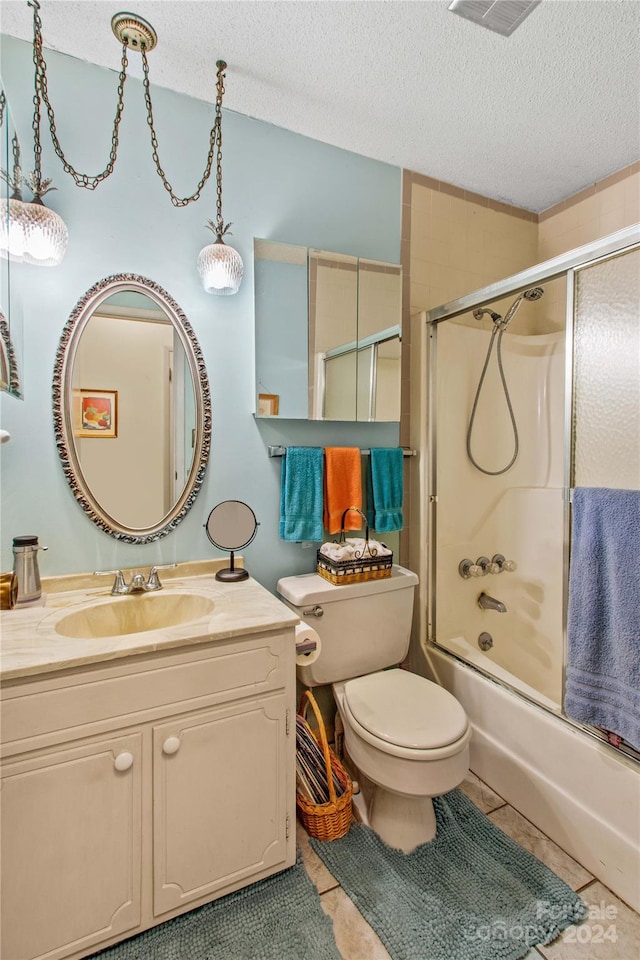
(89, 700)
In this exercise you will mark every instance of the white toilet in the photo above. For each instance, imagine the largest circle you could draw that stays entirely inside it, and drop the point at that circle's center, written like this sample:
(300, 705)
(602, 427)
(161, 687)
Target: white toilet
(407, 737)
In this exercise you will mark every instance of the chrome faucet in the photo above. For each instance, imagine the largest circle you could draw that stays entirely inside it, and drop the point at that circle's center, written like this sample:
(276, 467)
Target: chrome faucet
(137, 584)
(489, 603)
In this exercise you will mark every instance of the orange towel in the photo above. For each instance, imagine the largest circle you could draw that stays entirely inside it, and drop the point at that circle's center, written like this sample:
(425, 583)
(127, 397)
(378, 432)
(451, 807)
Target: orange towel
(342, 488)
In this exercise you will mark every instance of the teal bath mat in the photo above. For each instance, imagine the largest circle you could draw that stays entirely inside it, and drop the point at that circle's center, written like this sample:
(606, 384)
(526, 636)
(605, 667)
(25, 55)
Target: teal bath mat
(279, 918)
(472, 893)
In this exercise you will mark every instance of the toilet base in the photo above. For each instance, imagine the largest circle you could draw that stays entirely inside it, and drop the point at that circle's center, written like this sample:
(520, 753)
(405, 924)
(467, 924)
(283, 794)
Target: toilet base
(402, 822)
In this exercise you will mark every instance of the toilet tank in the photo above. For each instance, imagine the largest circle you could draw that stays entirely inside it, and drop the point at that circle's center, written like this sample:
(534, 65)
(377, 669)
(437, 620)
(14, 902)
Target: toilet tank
(363, 627)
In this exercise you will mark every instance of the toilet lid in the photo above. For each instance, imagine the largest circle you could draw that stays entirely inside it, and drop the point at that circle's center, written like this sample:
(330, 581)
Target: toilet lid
(405, 709)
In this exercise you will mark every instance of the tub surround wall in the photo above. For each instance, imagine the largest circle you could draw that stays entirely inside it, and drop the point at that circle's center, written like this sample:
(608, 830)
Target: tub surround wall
(520, 514)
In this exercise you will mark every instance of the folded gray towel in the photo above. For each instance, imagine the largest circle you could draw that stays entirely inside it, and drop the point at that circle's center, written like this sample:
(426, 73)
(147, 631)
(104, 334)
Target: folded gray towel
(603, 628)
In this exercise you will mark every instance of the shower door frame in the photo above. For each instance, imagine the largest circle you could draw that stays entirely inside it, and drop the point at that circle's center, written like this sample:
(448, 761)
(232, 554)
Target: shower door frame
(566, 265)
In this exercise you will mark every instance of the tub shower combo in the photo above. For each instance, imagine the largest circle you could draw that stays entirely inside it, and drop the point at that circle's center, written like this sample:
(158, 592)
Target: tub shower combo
(520, 407)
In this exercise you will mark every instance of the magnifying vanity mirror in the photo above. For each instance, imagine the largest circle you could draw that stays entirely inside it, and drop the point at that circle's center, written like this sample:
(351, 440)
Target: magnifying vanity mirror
(327, 334)
(231, 526)
(132, 410)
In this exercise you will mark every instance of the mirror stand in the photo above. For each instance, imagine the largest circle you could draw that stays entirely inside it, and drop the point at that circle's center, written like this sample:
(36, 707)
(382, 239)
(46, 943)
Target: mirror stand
(231, 526)
(232, 573)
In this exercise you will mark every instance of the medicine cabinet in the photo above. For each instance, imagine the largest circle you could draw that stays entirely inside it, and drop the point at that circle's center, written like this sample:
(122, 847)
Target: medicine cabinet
(328, 334)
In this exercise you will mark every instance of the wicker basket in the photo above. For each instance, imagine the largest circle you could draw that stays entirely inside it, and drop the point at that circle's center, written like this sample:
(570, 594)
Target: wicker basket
(326, 821)
(368, 566)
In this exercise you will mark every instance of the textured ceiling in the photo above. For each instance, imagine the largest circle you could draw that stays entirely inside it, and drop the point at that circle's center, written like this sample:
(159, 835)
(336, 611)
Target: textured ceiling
(529, 119)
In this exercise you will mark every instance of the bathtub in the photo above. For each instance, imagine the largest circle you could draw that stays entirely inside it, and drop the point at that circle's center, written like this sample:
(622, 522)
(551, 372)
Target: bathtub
(494, 665)
(578, 790)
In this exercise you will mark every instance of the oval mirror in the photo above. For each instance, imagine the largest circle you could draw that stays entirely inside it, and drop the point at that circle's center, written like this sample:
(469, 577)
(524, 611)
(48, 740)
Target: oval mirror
(9, 375)
(231, 526)
(132, 411)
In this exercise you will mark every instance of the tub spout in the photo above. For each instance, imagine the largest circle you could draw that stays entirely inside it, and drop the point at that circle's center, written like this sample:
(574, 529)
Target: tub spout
(489, 603)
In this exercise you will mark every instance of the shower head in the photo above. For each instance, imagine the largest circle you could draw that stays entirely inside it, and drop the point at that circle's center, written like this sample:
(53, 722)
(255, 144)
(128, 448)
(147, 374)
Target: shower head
(479, 314)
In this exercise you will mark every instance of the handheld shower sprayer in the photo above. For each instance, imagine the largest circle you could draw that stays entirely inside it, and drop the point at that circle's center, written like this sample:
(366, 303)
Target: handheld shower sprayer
(534, 294)
(500, 325)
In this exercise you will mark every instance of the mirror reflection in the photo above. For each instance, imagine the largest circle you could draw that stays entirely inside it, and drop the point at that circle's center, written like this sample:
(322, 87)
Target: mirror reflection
(10, 312)
(133, 388)
(327, 334)
(9, 373)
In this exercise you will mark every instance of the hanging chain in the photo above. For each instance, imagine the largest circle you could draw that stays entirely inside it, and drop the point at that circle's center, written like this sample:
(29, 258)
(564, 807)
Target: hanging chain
(13, 180)
(16, 183)
(91, 182)
(37, 146)
(220, 229)
(176, 201)
(81, 179)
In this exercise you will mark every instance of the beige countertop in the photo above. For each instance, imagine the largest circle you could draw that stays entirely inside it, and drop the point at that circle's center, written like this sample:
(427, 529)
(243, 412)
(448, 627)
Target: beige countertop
(30, 644)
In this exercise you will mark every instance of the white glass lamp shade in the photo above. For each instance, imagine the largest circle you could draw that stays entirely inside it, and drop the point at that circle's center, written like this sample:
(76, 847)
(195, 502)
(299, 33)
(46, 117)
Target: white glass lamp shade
(220, 268)
(31, 233)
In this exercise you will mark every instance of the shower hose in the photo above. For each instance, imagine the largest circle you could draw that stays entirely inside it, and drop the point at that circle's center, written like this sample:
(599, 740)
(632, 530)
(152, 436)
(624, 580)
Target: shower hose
(499, 330)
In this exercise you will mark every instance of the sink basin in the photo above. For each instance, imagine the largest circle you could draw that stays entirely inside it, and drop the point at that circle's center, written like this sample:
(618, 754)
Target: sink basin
(135, 614)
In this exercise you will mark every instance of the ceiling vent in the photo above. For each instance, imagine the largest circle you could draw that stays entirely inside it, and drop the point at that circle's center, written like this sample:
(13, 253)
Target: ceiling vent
(501, 16)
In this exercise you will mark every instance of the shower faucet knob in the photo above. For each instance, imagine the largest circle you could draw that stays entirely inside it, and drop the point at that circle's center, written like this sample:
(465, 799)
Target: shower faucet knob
(503, 565)
(467, 569)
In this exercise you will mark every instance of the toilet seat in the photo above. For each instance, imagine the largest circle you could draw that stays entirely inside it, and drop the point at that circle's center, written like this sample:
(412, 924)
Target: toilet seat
(405, 714)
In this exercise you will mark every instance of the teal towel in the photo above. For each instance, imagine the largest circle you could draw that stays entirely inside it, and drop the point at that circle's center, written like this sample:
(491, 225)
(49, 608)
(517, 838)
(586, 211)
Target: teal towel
(385, 489)
(301, 499)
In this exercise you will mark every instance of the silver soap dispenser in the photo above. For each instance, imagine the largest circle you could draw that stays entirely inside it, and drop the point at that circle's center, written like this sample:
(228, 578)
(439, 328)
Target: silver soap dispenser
(25, 567)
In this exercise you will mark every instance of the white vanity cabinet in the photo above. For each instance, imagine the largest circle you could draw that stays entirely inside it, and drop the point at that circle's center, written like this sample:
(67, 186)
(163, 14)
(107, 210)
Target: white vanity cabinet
(138, 788)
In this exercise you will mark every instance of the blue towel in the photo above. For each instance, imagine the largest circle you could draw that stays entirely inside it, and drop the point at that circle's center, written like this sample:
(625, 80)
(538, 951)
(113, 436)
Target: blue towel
(301, 494)
(603, 628)
(385, 489)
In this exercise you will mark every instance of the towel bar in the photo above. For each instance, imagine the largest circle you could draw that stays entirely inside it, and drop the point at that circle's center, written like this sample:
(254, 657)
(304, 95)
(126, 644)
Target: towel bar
(279, 451)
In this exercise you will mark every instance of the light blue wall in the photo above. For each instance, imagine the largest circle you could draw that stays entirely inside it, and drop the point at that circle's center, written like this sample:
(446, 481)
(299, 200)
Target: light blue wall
(277, 185)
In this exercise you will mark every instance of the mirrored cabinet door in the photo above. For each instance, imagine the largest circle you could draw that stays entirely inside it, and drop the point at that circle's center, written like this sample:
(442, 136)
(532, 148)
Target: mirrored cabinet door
(327, 329)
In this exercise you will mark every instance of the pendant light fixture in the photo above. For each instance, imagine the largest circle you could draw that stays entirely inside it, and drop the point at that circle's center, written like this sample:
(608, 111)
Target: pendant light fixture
(30, 232)
(44, 230)
(219, 265)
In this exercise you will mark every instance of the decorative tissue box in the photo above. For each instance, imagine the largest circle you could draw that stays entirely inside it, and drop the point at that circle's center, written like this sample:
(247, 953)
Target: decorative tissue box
(354, 561)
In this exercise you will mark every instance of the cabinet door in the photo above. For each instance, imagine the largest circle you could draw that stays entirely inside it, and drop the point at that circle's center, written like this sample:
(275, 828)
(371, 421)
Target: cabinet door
(220, 806)
(70, 866)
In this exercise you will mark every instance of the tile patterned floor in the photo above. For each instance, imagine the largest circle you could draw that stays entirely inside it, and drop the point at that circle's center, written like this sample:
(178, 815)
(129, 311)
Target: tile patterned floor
(612, 931)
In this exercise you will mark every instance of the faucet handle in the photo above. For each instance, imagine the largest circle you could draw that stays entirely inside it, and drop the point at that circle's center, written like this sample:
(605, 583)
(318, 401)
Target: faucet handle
(503, 565)
(153, 580)
(119, 585)
(467, 569)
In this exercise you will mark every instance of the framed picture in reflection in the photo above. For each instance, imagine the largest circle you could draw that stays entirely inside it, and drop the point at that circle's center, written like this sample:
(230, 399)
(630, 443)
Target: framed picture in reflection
(95, 413)
(268, 404)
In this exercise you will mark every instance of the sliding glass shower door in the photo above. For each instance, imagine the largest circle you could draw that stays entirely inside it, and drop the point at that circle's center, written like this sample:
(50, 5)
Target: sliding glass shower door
(575, 399)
